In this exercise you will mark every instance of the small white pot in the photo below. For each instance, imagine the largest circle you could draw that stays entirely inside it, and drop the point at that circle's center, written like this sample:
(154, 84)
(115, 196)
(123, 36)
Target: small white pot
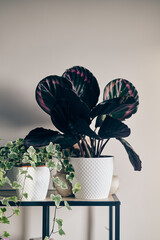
(38, 187)
(94, 175)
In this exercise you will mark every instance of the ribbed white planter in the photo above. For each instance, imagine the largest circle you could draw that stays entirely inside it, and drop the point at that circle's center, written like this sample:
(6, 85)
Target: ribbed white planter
(36, 188)
(94, 175)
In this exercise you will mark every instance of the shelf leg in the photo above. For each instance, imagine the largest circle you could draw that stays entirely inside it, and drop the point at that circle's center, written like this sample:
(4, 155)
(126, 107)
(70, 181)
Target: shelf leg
(45, 222)
(117, 221)
(110, 223)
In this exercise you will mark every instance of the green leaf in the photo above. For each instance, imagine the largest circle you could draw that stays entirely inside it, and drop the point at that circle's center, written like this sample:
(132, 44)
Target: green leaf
(50, 148)
(57, 199)
(10, 144)
(56, 180)
(59, 222)
(4, 201)
(2, 211)
(21, 171)
(25, 159)
(51, 164)
(6, 234)
(46, 238)
(12, 155)
(33, 164)
(16, 185)
(70, 176)
(13, 199)
(76, 188)
(59, 166)
(63, 185)
(25, 195)
(16, 211)
(29, 176)
(31, 151)
(61, 232)
(67, 205)
(4, 220)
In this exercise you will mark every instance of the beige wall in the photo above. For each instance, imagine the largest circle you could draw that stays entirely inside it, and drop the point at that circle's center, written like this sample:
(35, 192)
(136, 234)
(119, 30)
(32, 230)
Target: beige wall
(112, 39)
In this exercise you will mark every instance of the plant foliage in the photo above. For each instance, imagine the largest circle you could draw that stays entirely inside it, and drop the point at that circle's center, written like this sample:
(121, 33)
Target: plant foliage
(71, 101)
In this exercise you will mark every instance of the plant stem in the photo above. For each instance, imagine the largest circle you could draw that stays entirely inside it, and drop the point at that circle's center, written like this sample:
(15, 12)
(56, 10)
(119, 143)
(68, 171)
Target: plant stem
(54, 220)
(99, 150)
(104, 145)
(86, 147)
(81, 150)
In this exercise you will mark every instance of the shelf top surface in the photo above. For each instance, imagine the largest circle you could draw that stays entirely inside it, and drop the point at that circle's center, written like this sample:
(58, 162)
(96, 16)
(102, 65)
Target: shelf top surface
(112, 200)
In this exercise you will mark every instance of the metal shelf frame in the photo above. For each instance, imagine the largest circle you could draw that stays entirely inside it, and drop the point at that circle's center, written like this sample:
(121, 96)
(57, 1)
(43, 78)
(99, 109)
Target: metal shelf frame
(111, 202)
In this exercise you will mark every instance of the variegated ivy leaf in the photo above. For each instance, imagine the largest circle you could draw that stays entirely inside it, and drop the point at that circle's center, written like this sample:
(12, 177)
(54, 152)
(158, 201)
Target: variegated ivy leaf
(4, 220)
(13, 199)
(61, 232)
(33, 164)
(70, 177)
(31, 151)
(66, 153)
(5, 202)
(59, 222)
(67, 205)
(76, 188)
(12, 155)
(51, 164)
(46, 238)
(59, 166)
(16, 185)
(2, 211)
(50, 148)
(16, 211)
(64, 185)
(25, 195)
(29, 176)
(56, 198)
(21, 171)
(9, 144)
(25, 159)
(6, 234)
(56, 180)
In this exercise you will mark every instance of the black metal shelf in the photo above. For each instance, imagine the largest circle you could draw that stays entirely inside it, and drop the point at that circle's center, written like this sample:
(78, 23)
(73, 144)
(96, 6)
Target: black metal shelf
(111, 202)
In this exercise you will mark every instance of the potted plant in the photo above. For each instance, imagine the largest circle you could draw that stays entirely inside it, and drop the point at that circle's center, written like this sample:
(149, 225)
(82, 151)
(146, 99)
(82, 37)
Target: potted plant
(31, 169)
(71, 102)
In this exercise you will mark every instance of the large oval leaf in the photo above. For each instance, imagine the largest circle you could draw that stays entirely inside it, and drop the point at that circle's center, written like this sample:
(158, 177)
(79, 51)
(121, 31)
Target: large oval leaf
(122, 88)
(84, 84)
(113, 128)
(48, 91)
(68, 110)
(39, 137)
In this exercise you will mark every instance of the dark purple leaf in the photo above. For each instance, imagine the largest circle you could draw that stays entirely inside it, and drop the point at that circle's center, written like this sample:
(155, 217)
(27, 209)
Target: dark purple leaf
(112, 106)
(68, 110)
(122, 88)
(48, 91)
(113, 128)
(133, 157)
(39, 137)
(81, 127)
(84, 84)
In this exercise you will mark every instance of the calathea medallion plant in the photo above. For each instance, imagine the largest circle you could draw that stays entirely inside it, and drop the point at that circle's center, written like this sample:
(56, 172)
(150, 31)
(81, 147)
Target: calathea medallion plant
(71, 102)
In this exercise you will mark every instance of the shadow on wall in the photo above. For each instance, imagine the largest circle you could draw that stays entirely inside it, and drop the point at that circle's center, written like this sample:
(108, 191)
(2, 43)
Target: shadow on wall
(16, 111)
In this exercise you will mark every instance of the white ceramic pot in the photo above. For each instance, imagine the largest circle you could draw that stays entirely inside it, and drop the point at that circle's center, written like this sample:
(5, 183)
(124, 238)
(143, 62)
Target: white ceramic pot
(38, 187)
(94, 175)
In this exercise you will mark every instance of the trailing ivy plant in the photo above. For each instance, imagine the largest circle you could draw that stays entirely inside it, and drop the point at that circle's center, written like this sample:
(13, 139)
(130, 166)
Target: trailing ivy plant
(71, 102)
(16, 154)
